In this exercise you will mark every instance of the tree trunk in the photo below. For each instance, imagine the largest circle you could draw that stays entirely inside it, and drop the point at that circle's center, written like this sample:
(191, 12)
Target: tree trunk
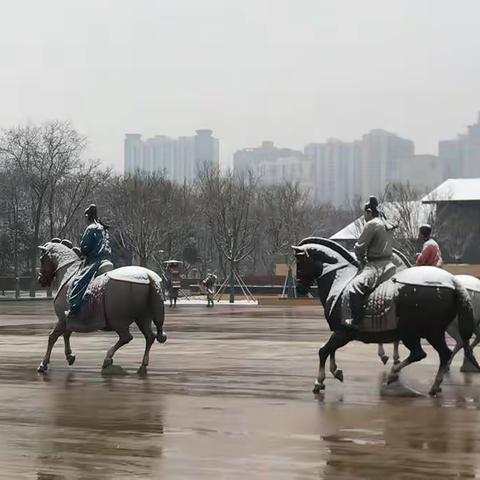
(232, 282)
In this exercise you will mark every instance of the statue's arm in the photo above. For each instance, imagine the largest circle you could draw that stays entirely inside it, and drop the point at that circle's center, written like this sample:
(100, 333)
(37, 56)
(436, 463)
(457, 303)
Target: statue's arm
(88, 242)
(361, 247)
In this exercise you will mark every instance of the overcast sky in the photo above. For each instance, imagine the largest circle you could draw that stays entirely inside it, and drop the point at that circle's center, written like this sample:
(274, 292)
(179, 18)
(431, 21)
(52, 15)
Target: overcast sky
(291, 71)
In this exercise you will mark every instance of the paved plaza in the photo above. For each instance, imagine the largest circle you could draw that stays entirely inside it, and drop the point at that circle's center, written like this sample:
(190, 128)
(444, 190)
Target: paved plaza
(228, 396)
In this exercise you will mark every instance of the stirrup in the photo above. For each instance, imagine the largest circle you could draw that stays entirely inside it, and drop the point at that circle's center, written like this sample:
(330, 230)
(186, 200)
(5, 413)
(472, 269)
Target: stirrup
(350, 323)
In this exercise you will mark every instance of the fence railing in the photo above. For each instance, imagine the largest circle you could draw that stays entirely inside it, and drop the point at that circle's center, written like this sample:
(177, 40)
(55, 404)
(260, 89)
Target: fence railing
(22, 286)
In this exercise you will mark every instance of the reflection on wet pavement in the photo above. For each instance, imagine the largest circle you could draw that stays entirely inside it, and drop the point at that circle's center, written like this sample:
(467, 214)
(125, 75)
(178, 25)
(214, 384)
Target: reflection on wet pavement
(228, 396)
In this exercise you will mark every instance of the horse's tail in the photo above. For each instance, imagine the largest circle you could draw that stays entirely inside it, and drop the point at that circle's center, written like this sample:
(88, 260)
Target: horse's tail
(157, 306)
(466, 320)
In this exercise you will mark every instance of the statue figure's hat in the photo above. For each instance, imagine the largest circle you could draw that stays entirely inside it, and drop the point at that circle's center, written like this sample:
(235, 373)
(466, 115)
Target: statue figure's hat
(91, 211)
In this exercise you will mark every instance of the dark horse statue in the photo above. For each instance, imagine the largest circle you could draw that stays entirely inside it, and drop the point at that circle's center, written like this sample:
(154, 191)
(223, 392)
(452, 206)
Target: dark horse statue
(416, 303)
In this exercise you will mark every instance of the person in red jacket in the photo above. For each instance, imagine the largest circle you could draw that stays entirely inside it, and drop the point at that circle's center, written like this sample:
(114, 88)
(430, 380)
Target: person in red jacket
(430, 254)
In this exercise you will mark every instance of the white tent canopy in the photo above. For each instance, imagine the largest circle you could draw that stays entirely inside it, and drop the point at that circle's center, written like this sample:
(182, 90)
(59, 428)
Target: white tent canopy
(412, 213)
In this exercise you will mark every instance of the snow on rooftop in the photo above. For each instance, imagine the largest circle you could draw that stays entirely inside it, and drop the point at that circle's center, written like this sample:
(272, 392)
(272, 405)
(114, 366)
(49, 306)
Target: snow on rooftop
(455, 190)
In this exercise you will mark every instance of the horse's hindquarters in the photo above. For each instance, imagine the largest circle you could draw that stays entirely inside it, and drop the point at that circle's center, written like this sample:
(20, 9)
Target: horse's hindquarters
(126, 302)
(427, 308)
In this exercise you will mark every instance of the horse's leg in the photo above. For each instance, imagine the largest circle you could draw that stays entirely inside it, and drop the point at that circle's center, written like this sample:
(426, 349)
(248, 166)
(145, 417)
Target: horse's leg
(336, 340)
(452, 330)
(145, 326)
(338, 374)
(476, 331)
(416, 354)
(124, 338)
(437, 341)
(58, 330)
(158, 314)
(396, 353)
(381, 353)
(68, 350)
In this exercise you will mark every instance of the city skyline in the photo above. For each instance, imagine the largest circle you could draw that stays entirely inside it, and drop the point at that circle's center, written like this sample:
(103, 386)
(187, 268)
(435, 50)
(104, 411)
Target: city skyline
(333, 171)
(461, 132)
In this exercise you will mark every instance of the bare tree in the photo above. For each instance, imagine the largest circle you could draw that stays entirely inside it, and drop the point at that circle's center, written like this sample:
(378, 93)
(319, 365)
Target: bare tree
(43, 156)
(405, 210)
(228, 205)
(144, 211)
(287, 217)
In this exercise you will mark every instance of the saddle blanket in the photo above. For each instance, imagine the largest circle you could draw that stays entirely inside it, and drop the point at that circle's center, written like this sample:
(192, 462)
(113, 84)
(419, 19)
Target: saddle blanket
(92, 315)
(131, 274)
(380, 313)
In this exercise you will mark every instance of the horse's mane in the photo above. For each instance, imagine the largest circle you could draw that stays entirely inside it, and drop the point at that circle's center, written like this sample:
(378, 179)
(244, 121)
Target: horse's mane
(332, 245)
(63, 249)
(402, 257)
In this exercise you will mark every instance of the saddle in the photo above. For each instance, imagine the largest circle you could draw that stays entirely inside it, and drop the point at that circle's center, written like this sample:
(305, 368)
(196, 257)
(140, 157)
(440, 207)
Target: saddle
(105, 266)
(380, 311)
(380, 314)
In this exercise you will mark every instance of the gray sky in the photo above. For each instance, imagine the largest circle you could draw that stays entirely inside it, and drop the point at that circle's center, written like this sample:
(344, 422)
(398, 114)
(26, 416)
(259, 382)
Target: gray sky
(292, 71)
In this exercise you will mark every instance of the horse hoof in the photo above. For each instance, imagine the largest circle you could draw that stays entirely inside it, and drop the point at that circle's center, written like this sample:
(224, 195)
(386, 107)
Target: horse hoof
(398, 390)
(114, 370)
(384, 359)
(161, 337)
(392, 377)
(468, 367)
(396, 362)
(318, 388)
(71, 359)
(338, 375)
(108, 362)
(433, 392)
(42, 368)
(142, 370)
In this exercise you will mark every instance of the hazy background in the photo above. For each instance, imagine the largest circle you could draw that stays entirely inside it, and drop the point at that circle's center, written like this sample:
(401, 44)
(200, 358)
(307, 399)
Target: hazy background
(292, 71)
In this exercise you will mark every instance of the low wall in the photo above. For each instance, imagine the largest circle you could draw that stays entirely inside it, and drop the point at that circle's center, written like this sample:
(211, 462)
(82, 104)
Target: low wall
(279, 301)
(463, 269)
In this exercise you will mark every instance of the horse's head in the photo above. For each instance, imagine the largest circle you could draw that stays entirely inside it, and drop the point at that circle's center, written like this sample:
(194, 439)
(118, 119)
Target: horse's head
(53, 256)
(316, 258)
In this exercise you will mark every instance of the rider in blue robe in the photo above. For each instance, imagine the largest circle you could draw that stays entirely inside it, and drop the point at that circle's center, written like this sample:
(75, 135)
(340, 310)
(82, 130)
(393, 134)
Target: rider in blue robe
(94, 248)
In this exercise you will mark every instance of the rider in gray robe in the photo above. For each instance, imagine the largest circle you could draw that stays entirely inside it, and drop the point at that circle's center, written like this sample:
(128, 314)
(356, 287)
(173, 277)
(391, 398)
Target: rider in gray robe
(374, 252)
(94, 248)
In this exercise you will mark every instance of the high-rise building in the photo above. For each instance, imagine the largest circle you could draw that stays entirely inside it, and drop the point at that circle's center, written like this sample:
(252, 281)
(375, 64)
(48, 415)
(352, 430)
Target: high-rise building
(383, 155)
(335, 170)
(423, 172)
(345, 171)
(461, 156)
(178, 159)
(273, 166)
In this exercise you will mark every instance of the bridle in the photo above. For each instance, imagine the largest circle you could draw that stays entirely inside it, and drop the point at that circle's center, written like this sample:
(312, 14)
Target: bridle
(62, 265)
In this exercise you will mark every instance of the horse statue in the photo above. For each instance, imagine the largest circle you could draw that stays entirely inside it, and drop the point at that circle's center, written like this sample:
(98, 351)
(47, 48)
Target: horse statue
(416, 303)
(119, 298)
(472, 285)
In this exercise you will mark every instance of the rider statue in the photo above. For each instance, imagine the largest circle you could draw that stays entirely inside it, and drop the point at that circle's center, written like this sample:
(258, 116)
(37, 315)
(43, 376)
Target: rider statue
(374, 252)
(94, 249)
(430, 254)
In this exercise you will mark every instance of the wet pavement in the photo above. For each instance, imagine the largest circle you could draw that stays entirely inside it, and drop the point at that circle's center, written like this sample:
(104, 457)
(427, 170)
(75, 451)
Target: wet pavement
(228, 396)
